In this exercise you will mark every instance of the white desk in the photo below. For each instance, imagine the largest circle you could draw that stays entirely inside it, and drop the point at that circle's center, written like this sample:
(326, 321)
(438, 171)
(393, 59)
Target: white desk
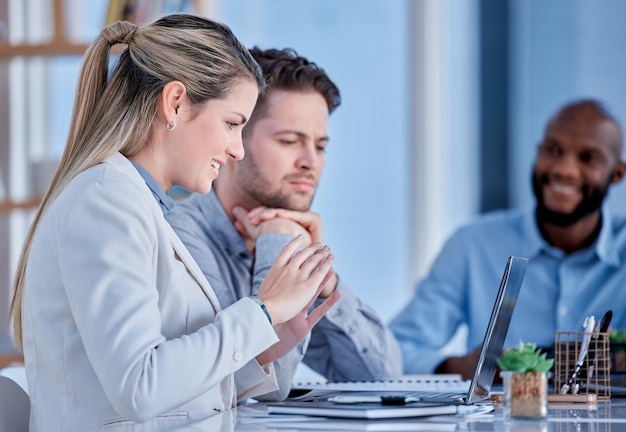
(606, 417)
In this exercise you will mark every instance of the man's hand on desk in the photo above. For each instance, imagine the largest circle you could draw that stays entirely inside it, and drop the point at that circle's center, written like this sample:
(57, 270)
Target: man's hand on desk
(464, 365)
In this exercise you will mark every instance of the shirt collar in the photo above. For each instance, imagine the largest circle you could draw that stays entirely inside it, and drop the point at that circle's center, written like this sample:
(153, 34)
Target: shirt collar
(605, 246)
(164, 200)
(223, 227)
(531, 234)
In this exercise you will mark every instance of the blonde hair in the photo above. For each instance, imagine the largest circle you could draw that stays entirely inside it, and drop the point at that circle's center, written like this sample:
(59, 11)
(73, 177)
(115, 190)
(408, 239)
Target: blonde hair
(117, 114)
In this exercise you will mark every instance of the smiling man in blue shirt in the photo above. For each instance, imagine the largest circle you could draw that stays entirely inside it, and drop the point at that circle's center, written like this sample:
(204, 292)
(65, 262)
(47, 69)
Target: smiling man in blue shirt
(576, 249)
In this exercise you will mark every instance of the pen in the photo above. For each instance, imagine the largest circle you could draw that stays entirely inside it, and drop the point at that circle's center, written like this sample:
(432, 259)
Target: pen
(384, 400)
(606, 321)
(601, 327)
(589, 326)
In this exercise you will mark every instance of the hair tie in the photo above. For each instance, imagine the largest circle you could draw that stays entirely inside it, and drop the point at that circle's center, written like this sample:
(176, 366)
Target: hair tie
(129, 36)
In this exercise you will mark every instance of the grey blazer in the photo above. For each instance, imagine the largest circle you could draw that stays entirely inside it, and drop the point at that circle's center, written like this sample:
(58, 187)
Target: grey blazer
(121, 330)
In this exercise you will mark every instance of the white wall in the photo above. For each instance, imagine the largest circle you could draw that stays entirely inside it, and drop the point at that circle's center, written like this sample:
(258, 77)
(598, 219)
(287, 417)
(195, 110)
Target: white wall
(562, 50)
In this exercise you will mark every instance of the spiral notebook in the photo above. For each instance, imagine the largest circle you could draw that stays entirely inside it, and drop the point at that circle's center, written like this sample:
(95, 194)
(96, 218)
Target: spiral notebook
(363, 410)
(457, 392)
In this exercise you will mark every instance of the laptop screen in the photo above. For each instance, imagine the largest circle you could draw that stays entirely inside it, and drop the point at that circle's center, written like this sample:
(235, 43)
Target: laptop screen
(496, 329)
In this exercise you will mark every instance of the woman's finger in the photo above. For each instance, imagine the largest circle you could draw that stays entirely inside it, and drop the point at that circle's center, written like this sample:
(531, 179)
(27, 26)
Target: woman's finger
(285, 255)
(302, 255)
(319, 312)
(305, 261)
(318, 274)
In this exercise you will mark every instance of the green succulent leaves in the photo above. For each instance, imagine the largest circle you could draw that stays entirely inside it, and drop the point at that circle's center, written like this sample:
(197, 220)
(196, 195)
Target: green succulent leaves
(617, 336)
(525, 358)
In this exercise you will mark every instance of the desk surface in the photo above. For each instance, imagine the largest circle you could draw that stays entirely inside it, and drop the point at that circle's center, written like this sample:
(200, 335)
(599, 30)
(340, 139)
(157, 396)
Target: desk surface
(609, 416)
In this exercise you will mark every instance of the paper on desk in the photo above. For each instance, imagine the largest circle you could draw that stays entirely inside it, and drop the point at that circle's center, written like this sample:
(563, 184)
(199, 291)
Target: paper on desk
(319, 424)
(434, 423)
(466, 412)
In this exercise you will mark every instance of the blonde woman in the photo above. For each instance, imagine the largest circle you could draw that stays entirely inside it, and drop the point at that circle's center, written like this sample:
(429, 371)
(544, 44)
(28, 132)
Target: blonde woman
(119, 327)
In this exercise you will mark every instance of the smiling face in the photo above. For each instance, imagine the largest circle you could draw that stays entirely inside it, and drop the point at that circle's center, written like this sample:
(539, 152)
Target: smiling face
(577, 161)
(284, 152)
(210, 138)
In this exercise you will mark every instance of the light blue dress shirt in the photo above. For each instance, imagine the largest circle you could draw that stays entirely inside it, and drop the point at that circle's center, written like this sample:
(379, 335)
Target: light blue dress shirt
(558, 291)
(351, 342)
(164, 200)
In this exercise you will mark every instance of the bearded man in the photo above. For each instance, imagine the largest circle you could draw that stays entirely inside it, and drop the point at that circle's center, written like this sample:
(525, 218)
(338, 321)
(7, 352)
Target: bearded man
(576, 249)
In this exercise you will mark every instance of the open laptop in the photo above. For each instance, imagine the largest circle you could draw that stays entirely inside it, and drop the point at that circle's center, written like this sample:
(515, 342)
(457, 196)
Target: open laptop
(497, 328)
(482, 380)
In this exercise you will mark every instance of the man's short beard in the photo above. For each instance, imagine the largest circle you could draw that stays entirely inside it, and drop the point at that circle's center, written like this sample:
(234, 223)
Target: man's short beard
(252, 181)
(592, 201)
(277, 200)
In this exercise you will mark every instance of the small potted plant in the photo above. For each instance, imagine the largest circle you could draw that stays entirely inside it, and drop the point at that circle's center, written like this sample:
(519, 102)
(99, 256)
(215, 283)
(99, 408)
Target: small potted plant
(525, 382)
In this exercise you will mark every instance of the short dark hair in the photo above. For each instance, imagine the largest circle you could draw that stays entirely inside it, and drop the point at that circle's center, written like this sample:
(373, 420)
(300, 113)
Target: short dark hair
(594, 106)
(284, 69)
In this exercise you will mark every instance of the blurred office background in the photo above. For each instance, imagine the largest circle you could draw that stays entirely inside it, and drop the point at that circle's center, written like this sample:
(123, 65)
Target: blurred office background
(443, 103)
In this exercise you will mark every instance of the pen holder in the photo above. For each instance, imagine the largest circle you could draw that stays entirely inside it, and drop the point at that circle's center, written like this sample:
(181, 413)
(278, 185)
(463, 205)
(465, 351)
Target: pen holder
(594, 376)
